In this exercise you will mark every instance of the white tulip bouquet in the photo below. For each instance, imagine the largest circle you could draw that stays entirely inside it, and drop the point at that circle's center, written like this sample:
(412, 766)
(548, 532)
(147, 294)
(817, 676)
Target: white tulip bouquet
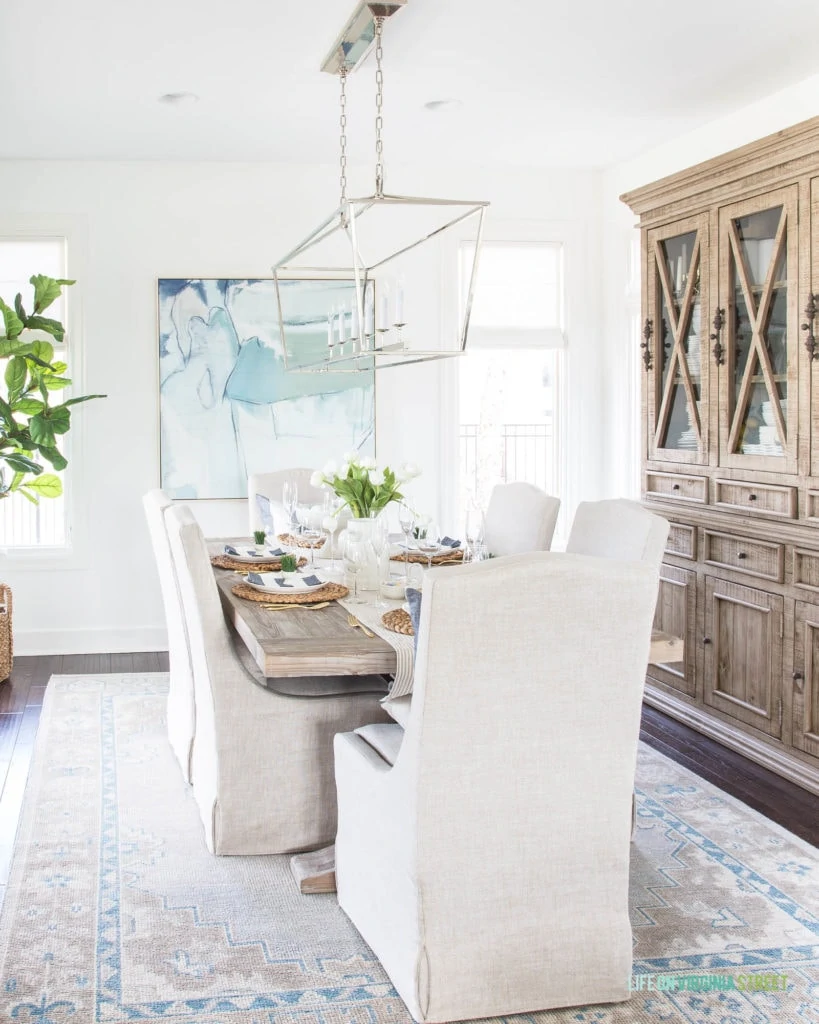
(362, 485)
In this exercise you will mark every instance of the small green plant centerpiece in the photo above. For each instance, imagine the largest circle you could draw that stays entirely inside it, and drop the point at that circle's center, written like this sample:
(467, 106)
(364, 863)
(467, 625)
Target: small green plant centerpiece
(362, 486)
(258, 537)
(30, 425)
(289, 563)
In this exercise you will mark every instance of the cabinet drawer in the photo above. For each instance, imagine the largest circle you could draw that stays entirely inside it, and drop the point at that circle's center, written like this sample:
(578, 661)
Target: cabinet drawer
(806, 569)
(760, 499)
(752, 557)
(682, 541)
(677, 487)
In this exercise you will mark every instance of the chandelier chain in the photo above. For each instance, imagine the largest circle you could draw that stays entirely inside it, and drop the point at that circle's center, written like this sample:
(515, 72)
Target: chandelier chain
(379, 103)
(342, 124)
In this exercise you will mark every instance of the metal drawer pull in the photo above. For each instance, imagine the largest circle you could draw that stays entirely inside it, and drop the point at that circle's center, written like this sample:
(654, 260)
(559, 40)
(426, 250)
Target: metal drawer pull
(706, 639)
(741, 554)
(798, 677)
(675, 487)
(751, 497)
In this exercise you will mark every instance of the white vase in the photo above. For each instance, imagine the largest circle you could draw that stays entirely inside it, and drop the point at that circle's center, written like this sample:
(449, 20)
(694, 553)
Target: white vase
(362, 530)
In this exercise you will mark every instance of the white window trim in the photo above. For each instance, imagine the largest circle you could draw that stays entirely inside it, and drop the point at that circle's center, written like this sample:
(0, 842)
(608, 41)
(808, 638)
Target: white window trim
(74, 553)
(572, 238)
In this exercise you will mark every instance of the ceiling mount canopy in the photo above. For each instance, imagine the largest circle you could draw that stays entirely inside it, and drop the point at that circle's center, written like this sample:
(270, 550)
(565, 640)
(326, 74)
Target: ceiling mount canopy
(392, 247)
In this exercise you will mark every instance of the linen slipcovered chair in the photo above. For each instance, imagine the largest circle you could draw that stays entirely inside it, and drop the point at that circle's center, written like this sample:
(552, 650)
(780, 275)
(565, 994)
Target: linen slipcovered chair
(520, 517)
(181, 708)
(263, 757)
(483, 853)
(270, 485)
(618, 528)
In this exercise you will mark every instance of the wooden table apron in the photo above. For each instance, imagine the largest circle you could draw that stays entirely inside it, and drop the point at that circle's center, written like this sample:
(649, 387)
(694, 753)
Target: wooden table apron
(321, 643)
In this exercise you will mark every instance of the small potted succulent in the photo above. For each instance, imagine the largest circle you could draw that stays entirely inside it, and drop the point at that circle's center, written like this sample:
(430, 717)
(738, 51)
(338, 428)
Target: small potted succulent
(289, 564)
(258, 537)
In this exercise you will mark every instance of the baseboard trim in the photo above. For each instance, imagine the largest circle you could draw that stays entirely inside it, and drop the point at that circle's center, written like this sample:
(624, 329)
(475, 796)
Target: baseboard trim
(89, 641)
(776, 760)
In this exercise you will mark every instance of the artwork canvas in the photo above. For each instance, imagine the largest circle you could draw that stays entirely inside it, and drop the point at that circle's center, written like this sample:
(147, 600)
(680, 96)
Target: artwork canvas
(228, 406)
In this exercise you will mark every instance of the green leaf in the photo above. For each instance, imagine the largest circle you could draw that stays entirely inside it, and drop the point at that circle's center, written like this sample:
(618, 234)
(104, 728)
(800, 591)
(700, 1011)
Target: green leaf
(18, 307)
(57, 383)
(22, 464)
(44, 323)
(83, 398)
(12, 322)
(28, 496)
(46, 290)
(59, 367)
(5, 412)
(41, 430)
(54, 456)
(16, 375)
(16, 480)
(44, 350)
(29, 406)
(59, 418)
(48, 485)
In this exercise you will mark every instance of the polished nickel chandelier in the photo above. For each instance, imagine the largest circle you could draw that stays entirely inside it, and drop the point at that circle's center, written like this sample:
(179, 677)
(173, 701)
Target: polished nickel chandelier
(397, 308)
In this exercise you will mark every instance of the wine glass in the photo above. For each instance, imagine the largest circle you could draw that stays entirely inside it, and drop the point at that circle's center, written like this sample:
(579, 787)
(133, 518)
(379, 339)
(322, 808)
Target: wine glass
(378, 539)
(354, 558)
(406, 520)
(310, 531)
(429, 541)
(330, 524)
(290, 498)
(474, 533)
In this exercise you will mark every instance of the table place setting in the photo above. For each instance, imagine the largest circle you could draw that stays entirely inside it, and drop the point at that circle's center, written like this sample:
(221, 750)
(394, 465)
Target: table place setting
(240, 558)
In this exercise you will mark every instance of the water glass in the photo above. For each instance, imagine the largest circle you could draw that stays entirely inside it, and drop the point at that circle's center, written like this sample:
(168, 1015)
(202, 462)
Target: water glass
(474, 528)
(354, 558)
(406, 520)
(429, 541)
(379, 538)
(290, 498)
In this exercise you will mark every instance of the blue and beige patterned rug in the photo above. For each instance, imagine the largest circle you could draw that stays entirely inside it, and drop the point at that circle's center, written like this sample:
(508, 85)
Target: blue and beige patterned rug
(115, 912)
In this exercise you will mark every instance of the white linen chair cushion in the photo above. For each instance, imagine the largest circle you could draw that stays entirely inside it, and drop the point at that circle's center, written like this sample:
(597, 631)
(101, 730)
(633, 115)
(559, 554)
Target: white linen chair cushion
(398, 708)
(384, 738)
(181, 706)
(520, 517)
(270, 485)
(618, 528)
(488, 868)
(262, 761)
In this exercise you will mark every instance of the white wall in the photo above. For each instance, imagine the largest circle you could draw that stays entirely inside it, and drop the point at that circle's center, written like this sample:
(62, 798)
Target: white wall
(623, 369)
(132, 223)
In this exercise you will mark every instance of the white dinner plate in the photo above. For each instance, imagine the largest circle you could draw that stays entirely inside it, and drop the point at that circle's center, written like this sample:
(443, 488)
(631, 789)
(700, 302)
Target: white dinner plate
(292, 583)
(258, 553)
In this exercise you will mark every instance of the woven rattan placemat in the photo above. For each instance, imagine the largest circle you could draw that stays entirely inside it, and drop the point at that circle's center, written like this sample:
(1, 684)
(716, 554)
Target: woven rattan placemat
(226, 562)
(301, 542)
(398, 621)
(329, 592)
(445, 558)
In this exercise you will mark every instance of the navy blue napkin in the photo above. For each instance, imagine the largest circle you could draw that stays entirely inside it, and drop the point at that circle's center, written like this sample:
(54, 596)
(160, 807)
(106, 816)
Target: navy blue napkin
(414, 601)
(230, 550)
(254, 577)
(450, 543)
(313, 581)
(278, 553)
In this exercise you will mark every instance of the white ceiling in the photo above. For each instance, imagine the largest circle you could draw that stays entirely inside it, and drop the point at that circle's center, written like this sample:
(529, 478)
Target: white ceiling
(571, 84)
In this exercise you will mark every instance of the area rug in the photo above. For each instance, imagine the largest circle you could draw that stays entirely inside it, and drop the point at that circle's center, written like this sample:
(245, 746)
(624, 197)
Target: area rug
(115, 912)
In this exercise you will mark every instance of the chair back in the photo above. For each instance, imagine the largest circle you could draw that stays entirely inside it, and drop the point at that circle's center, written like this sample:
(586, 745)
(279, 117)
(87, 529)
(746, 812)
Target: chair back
(618, 528)
(270, 485)
(520, 518)
(521, 761)
(181, 708)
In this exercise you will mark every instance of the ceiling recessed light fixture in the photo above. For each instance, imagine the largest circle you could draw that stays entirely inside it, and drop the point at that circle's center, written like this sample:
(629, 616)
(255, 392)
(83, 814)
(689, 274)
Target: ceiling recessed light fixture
(178, 99)
(443, 106)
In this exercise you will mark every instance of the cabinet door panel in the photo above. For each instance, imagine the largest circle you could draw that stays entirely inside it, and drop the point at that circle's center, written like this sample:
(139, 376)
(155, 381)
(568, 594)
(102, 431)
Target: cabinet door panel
(743, 654)
(676, 613)
(677, 257)
(810, 319)
(759, 275)
(806, 679)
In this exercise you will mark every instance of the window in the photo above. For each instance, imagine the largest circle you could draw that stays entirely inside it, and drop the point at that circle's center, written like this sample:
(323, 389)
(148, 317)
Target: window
(23, 525)
(511, 377)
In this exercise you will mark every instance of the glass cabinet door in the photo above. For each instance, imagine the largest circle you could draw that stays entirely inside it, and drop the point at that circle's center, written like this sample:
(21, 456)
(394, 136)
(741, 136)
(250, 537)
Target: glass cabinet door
(676, 332)
(809, 331)
(756, 352)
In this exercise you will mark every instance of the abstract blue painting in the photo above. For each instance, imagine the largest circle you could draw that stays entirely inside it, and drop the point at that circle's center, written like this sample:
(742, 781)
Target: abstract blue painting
(228, 406)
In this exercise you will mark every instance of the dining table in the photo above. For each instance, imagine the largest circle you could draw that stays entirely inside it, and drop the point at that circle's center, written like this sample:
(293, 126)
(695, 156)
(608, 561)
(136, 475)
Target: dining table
(304, 642)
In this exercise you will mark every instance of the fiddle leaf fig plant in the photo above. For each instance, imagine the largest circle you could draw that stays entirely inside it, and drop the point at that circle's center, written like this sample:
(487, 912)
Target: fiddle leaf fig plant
(30, 424)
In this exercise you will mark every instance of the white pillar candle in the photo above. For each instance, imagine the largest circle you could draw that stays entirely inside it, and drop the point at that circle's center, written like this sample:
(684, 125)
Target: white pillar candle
(384, 308)
(340, 327)
(399, 302)
(330, 336)
(354, 330)
(369, 313)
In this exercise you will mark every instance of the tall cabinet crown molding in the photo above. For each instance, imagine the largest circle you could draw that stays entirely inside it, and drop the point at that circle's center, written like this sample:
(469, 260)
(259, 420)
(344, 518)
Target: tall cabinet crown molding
(729, 348)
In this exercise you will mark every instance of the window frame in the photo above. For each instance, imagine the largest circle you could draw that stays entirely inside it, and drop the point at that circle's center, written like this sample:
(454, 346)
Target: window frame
(73, 553)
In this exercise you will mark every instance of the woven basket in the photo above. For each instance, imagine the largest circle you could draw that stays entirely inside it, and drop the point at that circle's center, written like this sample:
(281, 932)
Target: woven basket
(6, 639)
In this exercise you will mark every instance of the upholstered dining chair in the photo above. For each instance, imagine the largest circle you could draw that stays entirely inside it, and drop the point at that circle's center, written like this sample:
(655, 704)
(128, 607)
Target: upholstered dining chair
(270, 486)
(520, 517)
(483, 852)
(263, 756)
(181, 708)
(618, 528)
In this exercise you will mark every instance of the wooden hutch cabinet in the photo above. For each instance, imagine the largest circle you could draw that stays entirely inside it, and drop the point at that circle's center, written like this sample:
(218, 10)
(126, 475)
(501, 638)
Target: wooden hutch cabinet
(730, 416)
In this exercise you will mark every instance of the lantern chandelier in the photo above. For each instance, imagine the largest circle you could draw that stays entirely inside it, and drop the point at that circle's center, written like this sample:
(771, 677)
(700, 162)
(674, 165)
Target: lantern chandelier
(367, 288)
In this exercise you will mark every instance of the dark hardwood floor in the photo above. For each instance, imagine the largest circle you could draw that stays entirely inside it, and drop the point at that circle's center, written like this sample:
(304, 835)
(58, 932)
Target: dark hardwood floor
(21, 699)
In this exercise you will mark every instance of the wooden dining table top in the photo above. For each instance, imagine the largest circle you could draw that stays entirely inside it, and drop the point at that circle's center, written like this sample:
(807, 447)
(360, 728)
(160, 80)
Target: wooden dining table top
(301, 642)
